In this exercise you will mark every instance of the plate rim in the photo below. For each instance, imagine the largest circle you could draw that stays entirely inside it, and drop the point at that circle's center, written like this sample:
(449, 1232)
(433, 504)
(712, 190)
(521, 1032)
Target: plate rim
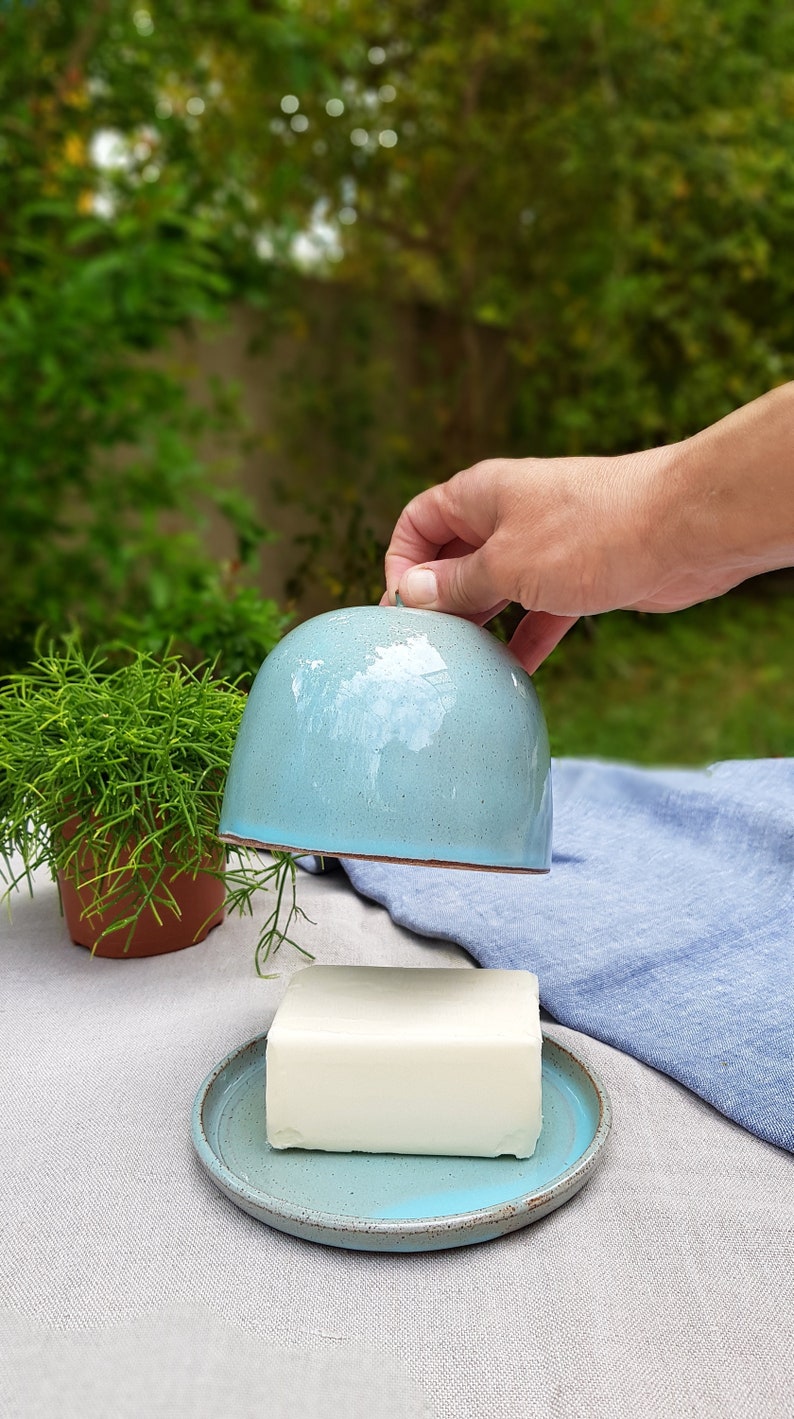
(542, 1200)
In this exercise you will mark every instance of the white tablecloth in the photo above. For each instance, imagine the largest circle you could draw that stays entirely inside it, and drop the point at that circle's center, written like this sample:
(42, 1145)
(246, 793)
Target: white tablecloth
(131, 1286)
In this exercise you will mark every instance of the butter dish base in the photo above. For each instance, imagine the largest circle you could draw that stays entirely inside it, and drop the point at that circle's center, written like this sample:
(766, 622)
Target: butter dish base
(396, 1202)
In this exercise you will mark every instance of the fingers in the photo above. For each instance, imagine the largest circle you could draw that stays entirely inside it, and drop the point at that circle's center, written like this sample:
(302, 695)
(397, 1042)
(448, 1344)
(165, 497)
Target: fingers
(458, 548)
(536, 637)
(447, 552)
(437, 558)
(462, 585)
(422, 529)
(480, 619)
(439, 523)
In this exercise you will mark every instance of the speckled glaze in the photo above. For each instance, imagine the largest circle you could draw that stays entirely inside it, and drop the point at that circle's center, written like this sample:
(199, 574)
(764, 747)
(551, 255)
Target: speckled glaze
(387, 1202)
(388, 732)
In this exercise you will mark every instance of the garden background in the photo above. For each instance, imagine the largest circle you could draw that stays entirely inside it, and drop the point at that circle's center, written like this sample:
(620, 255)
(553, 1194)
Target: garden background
(269, 267)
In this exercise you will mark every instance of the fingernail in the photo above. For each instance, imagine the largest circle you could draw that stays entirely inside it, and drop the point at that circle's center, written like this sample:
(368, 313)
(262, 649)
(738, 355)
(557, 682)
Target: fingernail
(419, 587)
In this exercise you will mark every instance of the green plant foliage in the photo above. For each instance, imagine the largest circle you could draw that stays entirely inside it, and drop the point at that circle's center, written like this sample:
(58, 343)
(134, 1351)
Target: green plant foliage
(603, 192)
(548, 228)
(96, 760)
(710, 683)
(608, 183)
(207, 618)
(103, 496)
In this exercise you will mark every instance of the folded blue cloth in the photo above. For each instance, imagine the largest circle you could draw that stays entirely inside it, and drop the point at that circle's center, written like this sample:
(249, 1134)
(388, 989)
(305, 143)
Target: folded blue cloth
(665, 928)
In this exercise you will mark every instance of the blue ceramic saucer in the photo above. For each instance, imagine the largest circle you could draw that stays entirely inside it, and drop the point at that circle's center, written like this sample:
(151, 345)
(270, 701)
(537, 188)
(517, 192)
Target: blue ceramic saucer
(391, 1202)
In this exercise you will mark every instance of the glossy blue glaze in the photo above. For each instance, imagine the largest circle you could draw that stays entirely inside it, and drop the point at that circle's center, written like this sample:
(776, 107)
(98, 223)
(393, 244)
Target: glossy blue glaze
(390, 1202)
(391, 732)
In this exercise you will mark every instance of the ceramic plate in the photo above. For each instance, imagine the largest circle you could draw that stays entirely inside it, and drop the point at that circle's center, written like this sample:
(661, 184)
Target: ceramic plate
(388, 1201)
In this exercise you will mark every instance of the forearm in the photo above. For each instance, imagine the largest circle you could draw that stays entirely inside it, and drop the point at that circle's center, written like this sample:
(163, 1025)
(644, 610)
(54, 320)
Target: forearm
(733, 486)
(652, 531)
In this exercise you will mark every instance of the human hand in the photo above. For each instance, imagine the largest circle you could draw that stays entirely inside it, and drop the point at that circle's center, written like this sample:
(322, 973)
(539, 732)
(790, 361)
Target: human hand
(565, 537)
(562, 537)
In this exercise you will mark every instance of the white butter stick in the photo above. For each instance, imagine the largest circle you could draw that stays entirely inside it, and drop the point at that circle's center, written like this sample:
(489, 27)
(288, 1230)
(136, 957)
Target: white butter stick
(384, 1059)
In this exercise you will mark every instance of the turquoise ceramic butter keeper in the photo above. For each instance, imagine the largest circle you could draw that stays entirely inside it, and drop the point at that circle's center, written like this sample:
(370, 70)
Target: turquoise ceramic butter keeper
(388, 732)
(389, 1201)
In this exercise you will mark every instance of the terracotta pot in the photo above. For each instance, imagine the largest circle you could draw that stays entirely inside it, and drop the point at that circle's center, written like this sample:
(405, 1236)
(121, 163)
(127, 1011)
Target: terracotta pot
(200, 900)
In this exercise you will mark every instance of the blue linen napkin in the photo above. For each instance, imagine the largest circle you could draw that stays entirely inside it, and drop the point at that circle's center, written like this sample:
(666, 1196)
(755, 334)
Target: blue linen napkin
(665, 928)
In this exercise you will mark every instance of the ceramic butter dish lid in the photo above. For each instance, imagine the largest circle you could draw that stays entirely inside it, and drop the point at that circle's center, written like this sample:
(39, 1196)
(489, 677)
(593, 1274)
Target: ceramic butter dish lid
(388, 732)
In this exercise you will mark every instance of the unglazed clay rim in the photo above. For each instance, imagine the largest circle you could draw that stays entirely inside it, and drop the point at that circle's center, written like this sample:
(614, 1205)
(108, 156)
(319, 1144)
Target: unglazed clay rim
(377, 857)
(507, 1216)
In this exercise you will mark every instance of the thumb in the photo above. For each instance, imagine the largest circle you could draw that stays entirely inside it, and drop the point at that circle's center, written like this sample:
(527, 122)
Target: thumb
(462, 585)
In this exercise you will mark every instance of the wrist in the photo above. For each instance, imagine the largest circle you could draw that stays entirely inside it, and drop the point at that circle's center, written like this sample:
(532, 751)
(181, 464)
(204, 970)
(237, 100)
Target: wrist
(725, 497)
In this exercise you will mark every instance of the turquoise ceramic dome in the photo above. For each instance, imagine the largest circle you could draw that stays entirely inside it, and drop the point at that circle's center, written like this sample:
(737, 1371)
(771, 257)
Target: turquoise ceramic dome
(387, 732)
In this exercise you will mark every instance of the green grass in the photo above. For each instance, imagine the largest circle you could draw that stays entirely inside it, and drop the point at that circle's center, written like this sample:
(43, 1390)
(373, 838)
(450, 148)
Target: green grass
(713, 682)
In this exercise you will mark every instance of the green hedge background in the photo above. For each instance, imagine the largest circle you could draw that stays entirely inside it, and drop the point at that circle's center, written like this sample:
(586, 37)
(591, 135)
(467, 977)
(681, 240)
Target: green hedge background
(587, 211)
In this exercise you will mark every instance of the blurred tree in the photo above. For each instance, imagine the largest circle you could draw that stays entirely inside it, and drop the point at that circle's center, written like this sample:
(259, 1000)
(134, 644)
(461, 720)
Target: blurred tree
(609, 184)
(603, 194)
(102, 493)
(608, 187)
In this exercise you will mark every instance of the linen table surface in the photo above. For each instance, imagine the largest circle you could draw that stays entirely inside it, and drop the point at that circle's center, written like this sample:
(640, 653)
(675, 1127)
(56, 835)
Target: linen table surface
(130, 1286)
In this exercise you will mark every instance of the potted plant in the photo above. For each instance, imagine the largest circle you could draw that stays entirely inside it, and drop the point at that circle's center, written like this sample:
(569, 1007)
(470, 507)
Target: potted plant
(112, 775)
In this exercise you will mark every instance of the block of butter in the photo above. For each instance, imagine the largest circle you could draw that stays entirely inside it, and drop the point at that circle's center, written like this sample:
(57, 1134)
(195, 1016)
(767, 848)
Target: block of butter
(385, 1059)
